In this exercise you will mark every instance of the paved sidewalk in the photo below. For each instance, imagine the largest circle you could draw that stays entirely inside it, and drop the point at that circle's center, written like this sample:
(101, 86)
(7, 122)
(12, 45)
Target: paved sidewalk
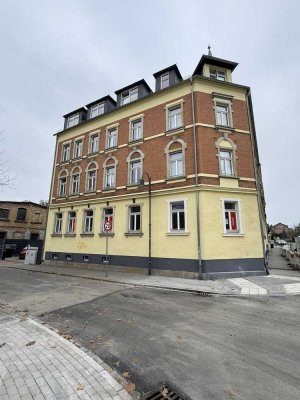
(36, 363)
(272, 285)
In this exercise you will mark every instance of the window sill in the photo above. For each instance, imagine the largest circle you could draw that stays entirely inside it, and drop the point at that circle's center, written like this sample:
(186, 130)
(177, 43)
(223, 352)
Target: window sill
(56, 234)
(175, 179)
(132, 186)
(95, 153)
(36, 223)
(135, 142)
(133, 234)
(226, 127)
(233, 234)
(175, 131)
(103, 234)
(229, 176)
(178, 233)
(20, 221)
(109, 190)
(76, 159)
(4, 219)
(89, 193)
(69, 234)
(86, 234)
(65, 162)
(109, 149)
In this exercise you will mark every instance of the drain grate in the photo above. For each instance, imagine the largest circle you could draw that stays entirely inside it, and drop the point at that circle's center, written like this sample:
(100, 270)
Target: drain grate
(163, 392)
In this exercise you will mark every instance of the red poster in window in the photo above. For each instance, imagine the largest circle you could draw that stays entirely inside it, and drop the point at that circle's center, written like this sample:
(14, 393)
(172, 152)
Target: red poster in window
(233, 221)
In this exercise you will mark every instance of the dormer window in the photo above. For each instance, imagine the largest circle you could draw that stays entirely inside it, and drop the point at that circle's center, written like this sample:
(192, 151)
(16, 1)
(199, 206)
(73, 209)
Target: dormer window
(218, 75)
(165, 80)
(130, 95)
(96, 110)
(73, 120)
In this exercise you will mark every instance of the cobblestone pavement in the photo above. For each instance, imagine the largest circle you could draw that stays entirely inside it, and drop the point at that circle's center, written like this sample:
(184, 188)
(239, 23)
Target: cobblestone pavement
(37, 363)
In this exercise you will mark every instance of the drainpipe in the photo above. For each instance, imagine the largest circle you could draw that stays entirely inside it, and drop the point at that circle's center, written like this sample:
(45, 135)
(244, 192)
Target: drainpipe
(200, 274)
(50, 196)
(255, 161)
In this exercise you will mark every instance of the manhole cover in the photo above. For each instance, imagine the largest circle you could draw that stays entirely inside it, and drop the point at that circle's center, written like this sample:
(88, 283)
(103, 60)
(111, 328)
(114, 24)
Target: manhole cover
(163, 392)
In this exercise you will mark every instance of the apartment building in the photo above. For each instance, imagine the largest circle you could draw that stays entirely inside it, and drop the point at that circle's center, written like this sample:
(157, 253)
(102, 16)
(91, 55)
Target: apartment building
(175, 172)
(22, 220)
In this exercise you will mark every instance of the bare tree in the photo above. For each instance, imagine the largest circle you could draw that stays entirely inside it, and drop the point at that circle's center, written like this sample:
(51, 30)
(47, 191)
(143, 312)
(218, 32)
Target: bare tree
(5, 179)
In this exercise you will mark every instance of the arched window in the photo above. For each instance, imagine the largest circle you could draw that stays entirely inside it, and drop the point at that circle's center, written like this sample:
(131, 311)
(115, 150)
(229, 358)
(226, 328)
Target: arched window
(227, 157)
(135, 166)
(91, 176)
(75, 180)
(62, 183)
(109, 173)
(175, 152)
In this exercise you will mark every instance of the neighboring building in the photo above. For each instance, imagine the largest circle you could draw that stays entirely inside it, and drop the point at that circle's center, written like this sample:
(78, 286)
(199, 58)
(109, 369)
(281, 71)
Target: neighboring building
(281, 230)
(196, 139)
(22, 220)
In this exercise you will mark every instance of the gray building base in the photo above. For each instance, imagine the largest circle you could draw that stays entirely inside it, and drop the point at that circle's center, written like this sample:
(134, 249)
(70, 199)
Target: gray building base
(184, 268)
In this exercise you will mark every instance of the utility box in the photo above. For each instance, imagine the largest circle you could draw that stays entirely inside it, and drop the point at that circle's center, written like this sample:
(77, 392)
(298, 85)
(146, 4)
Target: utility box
(31, 255)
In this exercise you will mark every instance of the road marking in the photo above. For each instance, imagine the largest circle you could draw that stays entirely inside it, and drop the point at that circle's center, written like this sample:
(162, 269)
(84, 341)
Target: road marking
(248, 287)
(292, 288)
(292, 278)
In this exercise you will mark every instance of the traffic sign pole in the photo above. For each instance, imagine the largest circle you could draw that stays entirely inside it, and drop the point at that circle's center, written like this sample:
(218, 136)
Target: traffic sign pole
(107, 226)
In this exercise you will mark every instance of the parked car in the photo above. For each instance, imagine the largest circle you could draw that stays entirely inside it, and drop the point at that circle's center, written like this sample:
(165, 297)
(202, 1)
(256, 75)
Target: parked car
(22, 253)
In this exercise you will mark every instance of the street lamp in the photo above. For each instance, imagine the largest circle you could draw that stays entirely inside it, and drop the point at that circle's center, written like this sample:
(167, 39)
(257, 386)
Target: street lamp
(142, 183)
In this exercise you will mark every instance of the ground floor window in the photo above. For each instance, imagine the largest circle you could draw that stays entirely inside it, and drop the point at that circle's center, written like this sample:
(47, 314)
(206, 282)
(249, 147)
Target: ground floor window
(177, 216)
(134, 219)
(71, 227)
(232, 223)
(108, 215)
(88, 224)
(58, 223)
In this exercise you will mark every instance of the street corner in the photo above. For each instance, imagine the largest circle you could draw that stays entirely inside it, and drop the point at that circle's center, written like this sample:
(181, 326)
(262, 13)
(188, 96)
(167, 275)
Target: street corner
(37, 363)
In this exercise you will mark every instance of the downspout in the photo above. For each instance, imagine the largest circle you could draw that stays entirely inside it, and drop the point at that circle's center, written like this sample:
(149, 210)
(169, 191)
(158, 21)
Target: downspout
(200, 273)
(255, 160)
(50, 196)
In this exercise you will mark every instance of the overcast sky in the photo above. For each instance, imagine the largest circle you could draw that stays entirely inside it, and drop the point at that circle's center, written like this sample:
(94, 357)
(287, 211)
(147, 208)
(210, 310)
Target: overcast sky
(58, 55)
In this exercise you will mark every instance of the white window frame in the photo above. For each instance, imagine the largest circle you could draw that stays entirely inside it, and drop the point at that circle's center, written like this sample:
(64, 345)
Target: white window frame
(140, 129)
(221, 115)
(89, 218)
(71, 223)
(226, 161)
(217, 74)
(169, 110)
(91, 168)
(66, 152)
(107, 217)
(163, 79)
(223, 101)
(91, 143)
(177, 231)
(99, 108)
(58, 223)
(73, 175)
(176, 161)
(73, 120)
(134, 215)
(127, 96)
(109, 136)
(108, 184)
(133, 174)
(78, 148)
(60, 192)
(239, 231)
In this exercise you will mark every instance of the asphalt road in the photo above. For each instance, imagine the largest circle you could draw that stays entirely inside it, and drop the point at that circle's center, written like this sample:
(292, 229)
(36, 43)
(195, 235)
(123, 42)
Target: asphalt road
(206, 348)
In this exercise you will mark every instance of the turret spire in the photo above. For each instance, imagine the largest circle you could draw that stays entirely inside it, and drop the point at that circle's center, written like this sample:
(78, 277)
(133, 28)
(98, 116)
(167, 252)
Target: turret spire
(209, 52)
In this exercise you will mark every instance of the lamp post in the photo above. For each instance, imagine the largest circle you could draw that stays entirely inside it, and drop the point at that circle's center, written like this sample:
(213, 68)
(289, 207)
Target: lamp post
(142, 183)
